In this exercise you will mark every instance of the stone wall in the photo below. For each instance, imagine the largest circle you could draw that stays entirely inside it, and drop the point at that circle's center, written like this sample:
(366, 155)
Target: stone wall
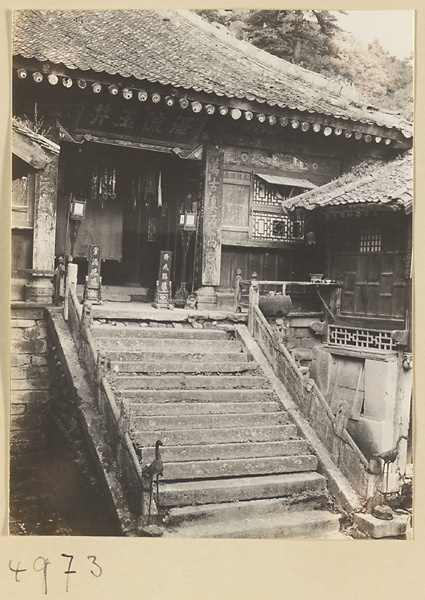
(30, 382)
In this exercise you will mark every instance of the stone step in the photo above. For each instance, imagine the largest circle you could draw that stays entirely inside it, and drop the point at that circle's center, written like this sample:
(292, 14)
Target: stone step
(226, 451)
(238, 467)
(180, 333)
(295, 525)
(190, 382)
(180, 366)
(200, 395)
(169, 345)
(144, 409)
(214, 491)
(163, 356)
(162, 424)
(223, 435)
(188, 516)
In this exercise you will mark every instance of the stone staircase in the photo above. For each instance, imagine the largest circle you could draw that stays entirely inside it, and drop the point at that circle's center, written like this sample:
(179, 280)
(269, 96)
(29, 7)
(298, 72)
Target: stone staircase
(234, 464)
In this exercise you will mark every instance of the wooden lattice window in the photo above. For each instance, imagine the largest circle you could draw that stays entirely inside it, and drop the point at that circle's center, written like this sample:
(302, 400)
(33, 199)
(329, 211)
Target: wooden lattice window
(371, 239)
(364, 339)
(273, 227)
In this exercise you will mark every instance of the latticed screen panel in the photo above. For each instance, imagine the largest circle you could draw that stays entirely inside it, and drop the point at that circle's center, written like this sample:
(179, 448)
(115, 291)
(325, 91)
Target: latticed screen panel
(265, 194)
(152, 229)
(272, 227)
(371, 339)
(371, 240)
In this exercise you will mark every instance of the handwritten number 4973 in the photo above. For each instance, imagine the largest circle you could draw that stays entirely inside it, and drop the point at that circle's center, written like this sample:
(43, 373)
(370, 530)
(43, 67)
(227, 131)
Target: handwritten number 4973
(41, 564)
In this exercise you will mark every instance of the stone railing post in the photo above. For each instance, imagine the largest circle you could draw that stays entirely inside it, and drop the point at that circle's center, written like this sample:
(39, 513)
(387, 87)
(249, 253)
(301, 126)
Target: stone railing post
(70, 286)
(254, 296)
(238, 290)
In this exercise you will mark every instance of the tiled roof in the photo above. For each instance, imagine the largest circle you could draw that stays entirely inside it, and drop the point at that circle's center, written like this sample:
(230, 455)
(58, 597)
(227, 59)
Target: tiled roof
(378, 184)
(42, 141)
(179, 48)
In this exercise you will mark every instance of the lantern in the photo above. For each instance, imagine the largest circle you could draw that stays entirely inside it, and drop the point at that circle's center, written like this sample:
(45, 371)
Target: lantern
(22, 73)
(261, 118)
(295, 124)
(249, 115)
(358, 135)
(113, 90)
(142, 96)
(387, 141)
(169, 101)
(378, 139)
(283, 121)
(184, 103)
(223, 110)
(327, 131)
(338, 131)
(367, 139)
(305, 126)
(127, 93)
(210, 108)
(156, 98)
(82, 84)
(77, 209)
(97, 88)
(317, 127)
(272, 120)
(235, 113)
(348, 134)
(38, 77)
(52, 79)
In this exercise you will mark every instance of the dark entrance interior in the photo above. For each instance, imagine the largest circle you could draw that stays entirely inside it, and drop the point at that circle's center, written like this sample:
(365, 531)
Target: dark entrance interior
(134, 201)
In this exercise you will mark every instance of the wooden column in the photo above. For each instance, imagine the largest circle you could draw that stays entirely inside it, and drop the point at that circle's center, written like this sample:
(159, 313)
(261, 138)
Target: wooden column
(45, 207)
(211, 230)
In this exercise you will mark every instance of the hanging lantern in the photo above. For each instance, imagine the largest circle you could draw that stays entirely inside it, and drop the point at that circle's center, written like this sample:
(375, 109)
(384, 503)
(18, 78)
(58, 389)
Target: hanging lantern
(96, 87)
(22, 73)
(295, 124)
(82, 84)
(249, 115)
(52, 79)
(127, 93)
(387, 141)
(67, 82)
(235, 113)
(210, 108)
(272, 120)
(156, 98)
(283, 121)
(196, 106)
(327, 131)
(142, 96)
(317, 127)
(113, 90)
(261, 118)
(358, 135)
(223, 110)
(378, 139)
(184, 103)
(367, 139)
(338, 130)
(305, 126)
(348, 134)
(38, 77)
(169, 101)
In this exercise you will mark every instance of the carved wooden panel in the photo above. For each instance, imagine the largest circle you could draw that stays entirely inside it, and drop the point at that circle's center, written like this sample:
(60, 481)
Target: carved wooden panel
(212, 220)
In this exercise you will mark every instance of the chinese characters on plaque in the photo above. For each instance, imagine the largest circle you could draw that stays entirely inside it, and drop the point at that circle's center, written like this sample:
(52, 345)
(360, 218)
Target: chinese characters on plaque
(93, 287)
(163, 285)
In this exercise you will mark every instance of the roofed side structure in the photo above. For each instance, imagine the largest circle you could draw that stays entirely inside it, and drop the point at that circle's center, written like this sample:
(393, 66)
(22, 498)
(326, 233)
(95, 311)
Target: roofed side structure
(179, 49)
(377, 185)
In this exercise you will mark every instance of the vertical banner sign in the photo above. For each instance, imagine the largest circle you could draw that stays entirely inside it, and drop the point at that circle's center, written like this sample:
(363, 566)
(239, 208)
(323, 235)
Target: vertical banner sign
(93, 287)
(163, 285)
(211, 254)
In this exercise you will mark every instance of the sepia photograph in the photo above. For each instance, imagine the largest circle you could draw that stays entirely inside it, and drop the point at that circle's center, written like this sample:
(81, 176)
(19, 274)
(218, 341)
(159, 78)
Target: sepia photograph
(211, 274)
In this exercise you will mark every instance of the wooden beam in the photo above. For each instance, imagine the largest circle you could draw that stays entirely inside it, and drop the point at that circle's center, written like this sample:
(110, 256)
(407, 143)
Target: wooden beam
(29, 151)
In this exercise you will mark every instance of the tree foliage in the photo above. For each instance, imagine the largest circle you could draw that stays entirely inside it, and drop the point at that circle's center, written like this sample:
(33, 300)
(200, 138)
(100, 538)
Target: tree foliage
(313, 40)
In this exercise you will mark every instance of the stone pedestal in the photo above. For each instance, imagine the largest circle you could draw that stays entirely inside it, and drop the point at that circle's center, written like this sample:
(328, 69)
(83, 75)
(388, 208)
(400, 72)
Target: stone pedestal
(40, 290)
(207, 298)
